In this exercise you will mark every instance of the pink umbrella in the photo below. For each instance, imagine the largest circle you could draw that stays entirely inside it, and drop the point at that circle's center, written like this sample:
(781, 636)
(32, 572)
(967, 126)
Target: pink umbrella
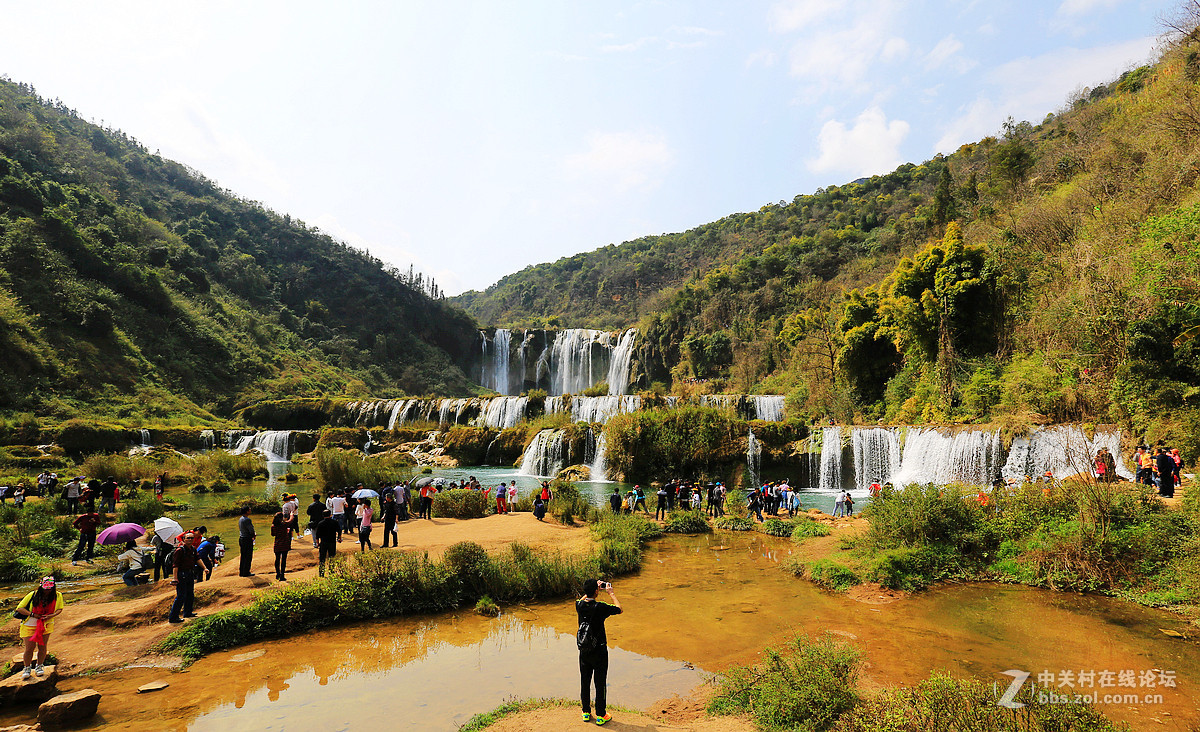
(120, 533)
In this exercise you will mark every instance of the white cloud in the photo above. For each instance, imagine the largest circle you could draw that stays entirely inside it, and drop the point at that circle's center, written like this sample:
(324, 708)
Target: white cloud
(894, 50)
(1029, 88)
(762, 58)
(945, 48)
(793, 15)
(870, 147)
(1080, 7)
(624, 161)
(627, 47)
(694, 30)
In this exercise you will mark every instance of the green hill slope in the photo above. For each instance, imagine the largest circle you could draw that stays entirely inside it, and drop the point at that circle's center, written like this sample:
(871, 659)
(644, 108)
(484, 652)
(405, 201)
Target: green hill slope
(131, 287)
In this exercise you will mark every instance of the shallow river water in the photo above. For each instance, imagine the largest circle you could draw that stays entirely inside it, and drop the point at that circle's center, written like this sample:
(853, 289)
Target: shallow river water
(700, 605)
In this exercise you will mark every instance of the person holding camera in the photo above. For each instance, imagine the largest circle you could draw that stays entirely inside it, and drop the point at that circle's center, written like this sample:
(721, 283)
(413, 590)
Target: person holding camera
(593, 646)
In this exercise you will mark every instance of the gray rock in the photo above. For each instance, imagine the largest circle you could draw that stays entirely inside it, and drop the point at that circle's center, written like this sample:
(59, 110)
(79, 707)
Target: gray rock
(69, 709)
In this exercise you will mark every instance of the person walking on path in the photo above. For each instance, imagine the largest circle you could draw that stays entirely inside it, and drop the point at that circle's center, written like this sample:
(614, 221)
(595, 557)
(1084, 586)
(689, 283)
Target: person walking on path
(86, 523)
(660, 508)
(839, 506)
(401, 495)
(327, 533)
(38, 610)
(246, 536)
(389, 520)
(315, 512)
(1164, 465)
(593, 647)
(184, 568)
(281, 529)
(365, 514)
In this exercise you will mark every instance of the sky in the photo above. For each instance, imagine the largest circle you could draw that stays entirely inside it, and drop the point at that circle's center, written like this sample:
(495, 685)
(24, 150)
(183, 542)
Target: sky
(472, 139)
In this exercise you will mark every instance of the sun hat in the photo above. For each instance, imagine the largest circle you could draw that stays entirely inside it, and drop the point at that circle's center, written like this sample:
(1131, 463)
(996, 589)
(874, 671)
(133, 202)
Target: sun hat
(47, 583)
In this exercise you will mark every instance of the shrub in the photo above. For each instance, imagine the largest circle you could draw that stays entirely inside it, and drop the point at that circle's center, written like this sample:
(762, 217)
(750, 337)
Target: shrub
(828, 574)
(84, 437)
(487, 607)
(461, 503)
(734, 523)
(805, 685)
(777, 527)
(687, 522)
(198, 488)
(142, 509)
(261, 506)
(806, 528)
(338, 468)
(966, 704)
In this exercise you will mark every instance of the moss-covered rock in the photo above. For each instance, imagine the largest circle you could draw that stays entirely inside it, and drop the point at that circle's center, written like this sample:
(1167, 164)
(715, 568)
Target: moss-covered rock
(83, 437)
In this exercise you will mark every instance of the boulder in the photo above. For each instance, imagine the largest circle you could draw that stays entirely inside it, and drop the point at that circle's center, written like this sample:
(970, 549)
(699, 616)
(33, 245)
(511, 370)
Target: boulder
(34, 691)
(21, 728)
(65, 710)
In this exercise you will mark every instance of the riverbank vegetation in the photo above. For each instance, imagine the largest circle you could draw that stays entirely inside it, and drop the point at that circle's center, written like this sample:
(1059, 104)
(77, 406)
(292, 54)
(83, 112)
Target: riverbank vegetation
(381, 584)
(813, 685)
(1075, 536)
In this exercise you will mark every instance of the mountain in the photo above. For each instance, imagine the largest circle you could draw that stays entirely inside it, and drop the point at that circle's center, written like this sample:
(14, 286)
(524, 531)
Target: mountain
(133, 288)
(1048, 273)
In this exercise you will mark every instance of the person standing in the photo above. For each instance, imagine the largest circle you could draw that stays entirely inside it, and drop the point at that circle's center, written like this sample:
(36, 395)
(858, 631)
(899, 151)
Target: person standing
(1164, 465)
(281, 529)
(86, 523)
(38, 610)
(184, 567)
(328, 533)
(365, 514)
(639, 499)
(337, 506)
(73, 490)
(839, 506)
(614, 501)
(592, 641)
(660, 508)
(246, 536)
(315, 512)
(389, 520)
(502, 498)
(401, 493)
(512, 496)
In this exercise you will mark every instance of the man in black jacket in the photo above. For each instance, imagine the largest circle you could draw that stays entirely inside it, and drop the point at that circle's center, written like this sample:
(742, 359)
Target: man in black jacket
(315, 512)
(593, 659)
(327, 535)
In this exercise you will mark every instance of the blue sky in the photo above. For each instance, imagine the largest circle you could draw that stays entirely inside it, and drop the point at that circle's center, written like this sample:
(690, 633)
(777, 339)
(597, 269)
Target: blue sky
(476, 138)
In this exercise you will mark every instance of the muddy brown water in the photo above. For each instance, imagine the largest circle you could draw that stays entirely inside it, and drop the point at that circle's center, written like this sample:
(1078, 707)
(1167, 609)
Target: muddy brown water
(691, 611)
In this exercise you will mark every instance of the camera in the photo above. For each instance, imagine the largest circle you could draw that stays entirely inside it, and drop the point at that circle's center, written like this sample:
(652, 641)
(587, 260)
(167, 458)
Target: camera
(605, 585)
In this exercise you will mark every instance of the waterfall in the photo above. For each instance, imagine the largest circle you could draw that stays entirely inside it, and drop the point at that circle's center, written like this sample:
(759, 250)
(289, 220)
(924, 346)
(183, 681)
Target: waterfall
(544, 456)
(146, 438)
(497, 356)
(572, 362)
(599, 470)
(1062, 450)
(831, 459)
(603, 408)
(618, 368)
(208, 439)
(769, 408)
(753, 459)
(876, 455)
(973, 457)
(273, 444)
(502, 412)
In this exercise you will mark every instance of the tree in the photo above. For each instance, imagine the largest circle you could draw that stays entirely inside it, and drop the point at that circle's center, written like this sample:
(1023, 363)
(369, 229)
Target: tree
(943, 200)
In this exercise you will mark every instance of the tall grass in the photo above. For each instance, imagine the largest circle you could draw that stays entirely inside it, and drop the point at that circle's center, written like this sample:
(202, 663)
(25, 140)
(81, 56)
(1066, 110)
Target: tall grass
(371, 585)
(337, 468)
(180, 469)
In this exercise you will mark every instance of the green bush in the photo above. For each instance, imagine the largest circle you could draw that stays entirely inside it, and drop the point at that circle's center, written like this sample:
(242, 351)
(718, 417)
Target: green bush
(142, 509)
(806, 685)
(777, 527)
(687, 522)
(487, 607)
(806, 528)
(198, 488)
(734, 523)
(461, 503)
(826, 573)
(967, 705)
(260, 506)
(338, 468)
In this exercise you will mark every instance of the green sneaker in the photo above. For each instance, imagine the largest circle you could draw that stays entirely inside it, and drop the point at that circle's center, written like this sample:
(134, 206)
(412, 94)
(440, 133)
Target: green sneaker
(605, 718)
(587, 717)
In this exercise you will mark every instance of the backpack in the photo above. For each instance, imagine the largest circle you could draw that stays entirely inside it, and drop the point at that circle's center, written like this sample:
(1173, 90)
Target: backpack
(585, 640)
(169, 563)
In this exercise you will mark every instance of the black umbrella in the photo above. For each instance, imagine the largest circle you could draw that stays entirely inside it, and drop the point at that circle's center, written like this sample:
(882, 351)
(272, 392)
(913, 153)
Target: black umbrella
(421, 482)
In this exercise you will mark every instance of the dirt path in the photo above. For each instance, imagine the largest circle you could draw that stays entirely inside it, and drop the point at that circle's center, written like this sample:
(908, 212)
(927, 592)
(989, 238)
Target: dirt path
(120, 627)
(677, 714)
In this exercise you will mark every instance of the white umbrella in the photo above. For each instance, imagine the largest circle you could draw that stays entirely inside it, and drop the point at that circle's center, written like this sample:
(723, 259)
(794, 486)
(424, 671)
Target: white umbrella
(365, 493)
(167, 529)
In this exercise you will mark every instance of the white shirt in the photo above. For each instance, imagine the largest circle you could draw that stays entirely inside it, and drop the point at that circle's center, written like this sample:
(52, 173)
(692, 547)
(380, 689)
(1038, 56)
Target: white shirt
(337, 505)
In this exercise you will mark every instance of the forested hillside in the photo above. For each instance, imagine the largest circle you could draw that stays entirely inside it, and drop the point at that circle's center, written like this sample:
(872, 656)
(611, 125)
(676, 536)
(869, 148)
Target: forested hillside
(134, 288)
(1050, 272)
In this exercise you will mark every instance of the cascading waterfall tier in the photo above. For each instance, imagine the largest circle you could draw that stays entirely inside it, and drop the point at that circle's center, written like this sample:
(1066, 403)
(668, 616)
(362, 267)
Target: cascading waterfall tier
(831, 460)
(931, 455)
(1061, 450)
(273, 444)
(753, 459)
(567, 361)
(876, 455)
(599, 469)
(545, 455)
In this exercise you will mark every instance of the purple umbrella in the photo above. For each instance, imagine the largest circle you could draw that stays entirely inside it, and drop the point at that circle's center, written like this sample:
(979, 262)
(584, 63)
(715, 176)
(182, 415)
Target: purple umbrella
(120, 533)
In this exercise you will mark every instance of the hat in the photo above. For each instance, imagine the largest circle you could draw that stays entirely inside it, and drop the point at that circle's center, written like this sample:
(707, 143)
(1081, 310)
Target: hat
(1048, 474)
(47, 583)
